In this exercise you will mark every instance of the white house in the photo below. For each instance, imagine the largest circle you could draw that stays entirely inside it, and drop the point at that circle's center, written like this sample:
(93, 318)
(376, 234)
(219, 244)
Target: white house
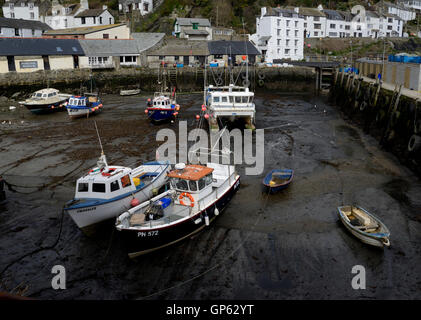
(336, 24)
(314, 22)
(93, 17)
(63, 16)
(10, 28)
(279, 34)
(142, 6)
(404, 12)
(25, 9)
(413, 4)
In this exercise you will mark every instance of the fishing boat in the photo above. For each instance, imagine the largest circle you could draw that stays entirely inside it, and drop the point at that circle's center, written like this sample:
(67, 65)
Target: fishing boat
(132, 92)
(86, 104)
(197, 195)
(163, 107)
(278, 179)
(364, 225)
(46, 101)
(106, 191)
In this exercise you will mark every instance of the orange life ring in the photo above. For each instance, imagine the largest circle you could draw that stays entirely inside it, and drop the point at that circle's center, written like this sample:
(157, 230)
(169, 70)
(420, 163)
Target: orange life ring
(188, 195)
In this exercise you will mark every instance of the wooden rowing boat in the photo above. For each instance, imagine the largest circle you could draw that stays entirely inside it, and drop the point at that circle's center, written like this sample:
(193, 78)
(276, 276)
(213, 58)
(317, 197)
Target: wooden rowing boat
(364, 225)
(278, 179)
(129, 92)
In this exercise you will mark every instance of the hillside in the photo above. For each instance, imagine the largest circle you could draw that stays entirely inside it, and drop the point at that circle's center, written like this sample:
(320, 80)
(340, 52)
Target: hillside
(227, 13)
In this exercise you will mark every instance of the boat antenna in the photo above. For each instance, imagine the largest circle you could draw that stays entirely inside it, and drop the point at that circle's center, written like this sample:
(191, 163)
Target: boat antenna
(99, 138)
(247, 56)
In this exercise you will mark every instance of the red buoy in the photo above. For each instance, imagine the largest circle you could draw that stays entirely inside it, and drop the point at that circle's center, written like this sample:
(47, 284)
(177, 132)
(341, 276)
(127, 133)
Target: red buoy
(206, 116)
(197, 117)
(146, 111)
(134, 202)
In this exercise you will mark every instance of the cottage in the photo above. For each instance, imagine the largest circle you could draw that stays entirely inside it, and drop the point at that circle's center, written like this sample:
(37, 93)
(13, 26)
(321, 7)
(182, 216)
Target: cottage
(141, 6)
(193, 28)
(233, 52)
(94, 17)
(22, 28)
(25, 9)
(112, 31)
(178, 51)
(29, 55)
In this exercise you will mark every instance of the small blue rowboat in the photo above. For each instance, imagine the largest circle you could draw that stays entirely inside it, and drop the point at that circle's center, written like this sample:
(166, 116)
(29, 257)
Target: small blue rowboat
(278, 179)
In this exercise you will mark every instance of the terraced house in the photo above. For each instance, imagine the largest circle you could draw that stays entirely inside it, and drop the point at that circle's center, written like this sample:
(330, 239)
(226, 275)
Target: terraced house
(193, 28)
(21, 28)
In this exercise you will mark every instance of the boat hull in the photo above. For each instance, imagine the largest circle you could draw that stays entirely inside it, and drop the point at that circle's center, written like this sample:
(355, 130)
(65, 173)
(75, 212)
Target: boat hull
(74, 112)
(139, 242)
(160, 115)
(46, 108)
(375, 239)
(90, 215)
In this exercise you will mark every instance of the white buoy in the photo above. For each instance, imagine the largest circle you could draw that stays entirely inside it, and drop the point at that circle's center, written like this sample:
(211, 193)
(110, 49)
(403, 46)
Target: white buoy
(216, 211)
(207, 220)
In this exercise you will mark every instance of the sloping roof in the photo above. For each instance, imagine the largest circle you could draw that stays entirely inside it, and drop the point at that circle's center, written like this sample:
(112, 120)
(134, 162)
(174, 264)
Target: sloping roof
(181, 47)
(333, 14)
(95, 47)
(311, 12)
(189, 21)
(39, 47)
(82, 30)
(196, 32)
(346, 15)
(20, 2)
(146, 40)
(371, 14)
(90, 13)
(23, 24)
(232, 47)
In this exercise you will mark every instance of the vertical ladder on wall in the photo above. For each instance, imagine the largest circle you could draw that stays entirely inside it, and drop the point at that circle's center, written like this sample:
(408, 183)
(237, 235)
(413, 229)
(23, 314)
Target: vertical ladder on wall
(172, 76)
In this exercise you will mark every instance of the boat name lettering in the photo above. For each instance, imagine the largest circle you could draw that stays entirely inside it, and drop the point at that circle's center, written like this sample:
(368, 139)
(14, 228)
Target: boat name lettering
(147, 234)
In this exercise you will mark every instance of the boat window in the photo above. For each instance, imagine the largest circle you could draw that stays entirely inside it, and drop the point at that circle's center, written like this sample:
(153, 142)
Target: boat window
(224, 99)
(98, 187)
(50, 94)
(231, 99)
(44, 96)
(82, 187)
(208, 179)
(125, 181)
(237, 99)
(202, 183)
(180, 184)
(154, 103)
(114, 186)
(39, 95)
(215, 99)
(192, 185)
(245, 99)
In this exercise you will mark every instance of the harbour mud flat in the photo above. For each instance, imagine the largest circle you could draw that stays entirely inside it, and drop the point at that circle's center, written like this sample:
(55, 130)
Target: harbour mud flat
(290, 245)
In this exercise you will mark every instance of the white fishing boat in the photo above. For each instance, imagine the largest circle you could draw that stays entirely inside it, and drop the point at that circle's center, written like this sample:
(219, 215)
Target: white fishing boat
(45, 101)
(129, 92)
(198, 194)
(364, 225)
(106, 191)
(230, 103)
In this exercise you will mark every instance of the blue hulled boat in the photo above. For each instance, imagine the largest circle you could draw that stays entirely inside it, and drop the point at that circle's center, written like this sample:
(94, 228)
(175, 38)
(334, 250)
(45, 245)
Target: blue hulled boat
(278, 179)
(84, 106)
(163, 107)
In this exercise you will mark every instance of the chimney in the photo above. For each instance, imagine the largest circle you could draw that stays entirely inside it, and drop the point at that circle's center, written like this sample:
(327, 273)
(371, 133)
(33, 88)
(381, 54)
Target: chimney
(297, 10)
(262, 11)
(104, 7)
(84, 4)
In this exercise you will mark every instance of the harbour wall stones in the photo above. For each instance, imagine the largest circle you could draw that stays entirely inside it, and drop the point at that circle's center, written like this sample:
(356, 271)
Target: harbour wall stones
(393, 116)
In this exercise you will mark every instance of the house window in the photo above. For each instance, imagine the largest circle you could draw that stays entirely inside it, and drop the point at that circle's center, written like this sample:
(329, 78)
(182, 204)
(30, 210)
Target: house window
(296, 33)
(218, 56)
(279, 42)
(100, 20)
(106, 36)
(161, 57)
(111, 21)
(31, 6)
(11, 6)
(316, 33)
(316, 19)
(390, 20)
(33, 32)
(31, 15)
(17, 32)
(287, 23)
(176, 58)
(287, 33)
(296, 43)
(287, 42)
(83, 20)
(12, 15)
(279, 22)
(332, 26)
(317, 26)
(286, 51)
(146, 7)
(94, 20)
(296, 24)
(195, 26)
(279, 32)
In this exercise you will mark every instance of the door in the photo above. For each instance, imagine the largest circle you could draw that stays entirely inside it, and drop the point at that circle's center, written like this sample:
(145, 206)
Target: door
(75, 62)
(46, 63)
(11, 63)
(186, 60)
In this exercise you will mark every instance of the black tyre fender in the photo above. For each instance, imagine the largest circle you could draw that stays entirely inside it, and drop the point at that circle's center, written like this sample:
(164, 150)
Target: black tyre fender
(414, 143)
(246, 82)
(243, 75)
(363, 105)
(261, 75)
(260, 82)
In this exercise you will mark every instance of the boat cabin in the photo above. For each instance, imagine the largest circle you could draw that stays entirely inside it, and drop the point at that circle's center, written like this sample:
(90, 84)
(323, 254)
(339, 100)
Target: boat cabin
(161, 102)
(83, 101)
(45, 93)
(230, 96)
(108, 183)
(191, 178)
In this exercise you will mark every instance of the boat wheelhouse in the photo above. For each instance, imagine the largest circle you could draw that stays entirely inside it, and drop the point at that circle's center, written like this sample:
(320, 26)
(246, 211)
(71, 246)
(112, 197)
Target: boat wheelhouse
(197, 195)
(84, 106)
(230, 103)
(106, 191)
(45, 101)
